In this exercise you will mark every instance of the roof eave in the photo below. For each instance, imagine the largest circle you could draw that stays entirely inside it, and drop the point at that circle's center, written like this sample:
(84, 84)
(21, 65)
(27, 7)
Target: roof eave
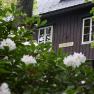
(64, 10)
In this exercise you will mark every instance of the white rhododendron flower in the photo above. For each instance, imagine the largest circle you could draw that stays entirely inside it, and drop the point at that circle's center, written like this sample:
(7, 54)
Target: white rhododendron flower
(35, 43)
(23, 27)
(6, 58)
(11, 35)
(9, 18)
(74, 60)
(83, 82)
(26, 43)
(9, 43)
(80, 57)
(28, 59)
(19, 28)
(69, 61)
(4, 89)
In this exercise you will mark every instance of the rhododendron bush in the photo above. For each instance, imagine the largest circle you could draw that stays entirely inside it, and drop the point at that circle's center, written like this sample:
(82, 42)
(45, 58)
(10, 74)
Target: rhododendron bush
(27, 67)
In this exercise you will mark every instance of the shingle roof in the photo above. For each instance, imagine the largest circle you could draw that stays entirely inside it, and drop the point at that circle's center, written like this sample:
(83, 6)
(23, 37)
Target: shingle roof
(52, 5)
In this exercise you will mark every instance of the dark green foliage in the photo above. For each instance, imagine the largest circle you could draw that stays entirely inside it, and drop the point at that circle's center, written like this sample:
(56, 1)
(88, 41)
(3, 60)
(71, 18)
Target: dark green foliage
(49, 75)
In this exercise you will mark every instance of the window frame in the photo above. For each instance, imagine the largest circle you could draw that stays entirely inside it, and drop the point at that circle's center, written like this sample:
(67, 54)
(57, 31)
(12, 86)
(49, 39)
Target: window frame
(45, 33)
(90, 31)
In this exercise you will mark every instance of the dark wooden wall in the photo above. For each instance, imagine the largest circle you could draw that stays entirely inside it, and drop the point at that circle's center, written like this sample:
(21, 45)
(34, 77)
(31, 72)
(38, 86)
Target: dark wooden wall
(68, 28)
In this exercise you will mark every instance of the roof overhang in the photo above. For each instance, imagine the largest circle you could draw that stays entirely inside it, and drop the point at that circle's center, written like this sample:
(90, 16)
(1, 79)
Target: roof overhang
(65, 10)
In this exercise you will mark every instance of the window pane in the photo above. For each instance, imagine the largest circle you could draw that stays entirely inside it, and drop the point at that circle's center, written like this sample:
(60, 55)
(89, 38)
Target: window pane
(48, 34)
(86, 30)
(41, 36)
(86, 37)
(45, 34)
(87, 22)
(92, 22)
(92, 29)
(92, 36)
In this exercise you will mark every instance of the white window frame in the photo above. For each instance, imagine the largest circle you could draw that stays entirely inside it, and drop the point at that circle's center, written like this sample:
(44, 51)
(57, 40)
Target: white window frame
(90, 32)
(45, 33)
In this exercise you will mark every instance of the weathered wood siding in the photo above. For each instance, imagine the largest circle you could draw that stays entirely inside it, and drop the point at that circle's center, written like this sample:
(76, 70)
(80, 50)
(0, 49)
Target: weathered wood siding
(68, 28)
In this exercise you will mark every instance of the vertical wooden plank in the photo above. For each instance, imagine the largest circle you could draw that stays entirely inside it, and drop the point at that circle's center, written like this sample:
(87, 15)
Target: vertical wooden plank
(54, 36)
(78, 34)
(68, 33)
(65, 32)
(72, 32)
(57, 35)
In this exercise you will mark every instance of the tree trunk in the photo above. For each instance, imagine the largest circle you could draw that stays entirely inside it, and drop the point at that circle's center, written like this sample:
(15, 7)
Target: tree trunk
(26, 6)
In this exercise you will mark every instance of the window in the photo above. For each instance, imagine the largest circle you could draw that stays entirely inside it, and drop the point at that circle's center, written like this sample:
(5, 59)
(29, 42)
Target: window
(45, 34)
(88, 30)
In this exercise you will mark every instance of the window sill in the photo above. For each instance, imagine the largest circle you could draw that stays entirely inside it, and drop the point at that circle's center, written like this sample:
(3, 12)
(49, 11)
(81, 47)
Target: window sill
(88, 42)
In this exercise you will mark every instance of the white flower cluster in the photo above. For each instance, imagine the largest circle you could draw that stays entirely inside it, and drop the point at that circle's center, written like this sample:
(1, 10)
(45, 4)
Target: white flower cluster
(26, 43)
(19, 28)
(28, 59)
(74, 60)
(83, 82)
(8, 18)
(35, 42)
(11, 35)
(4, 89)
(9, 43)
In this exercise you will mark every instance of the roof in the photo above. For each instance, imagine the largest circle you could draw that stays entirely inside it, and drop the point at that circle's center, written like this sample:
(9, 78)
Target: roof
(52, 5)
